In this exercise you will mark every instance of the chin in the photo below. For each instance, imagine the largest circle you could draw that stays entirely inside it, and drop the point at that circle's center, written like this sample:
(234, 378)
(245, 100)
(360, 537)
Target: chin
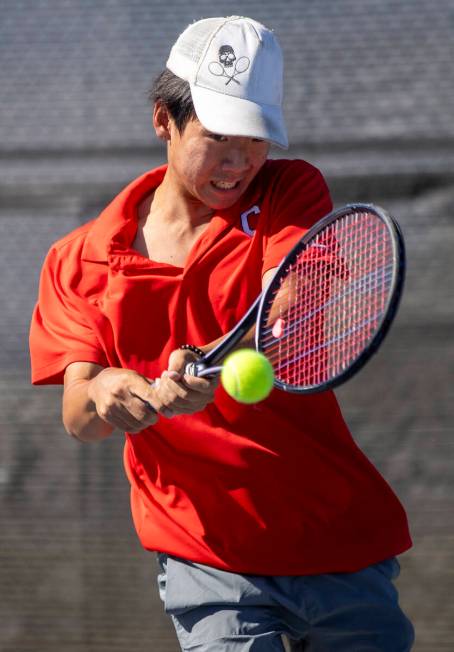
(223, 203)
(218, 206)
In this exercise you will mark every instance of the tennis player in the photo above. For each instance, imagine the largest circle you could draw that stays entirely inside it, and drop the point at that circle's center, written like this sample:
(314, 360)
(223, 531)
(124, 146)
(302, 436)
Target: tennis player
(273, 530)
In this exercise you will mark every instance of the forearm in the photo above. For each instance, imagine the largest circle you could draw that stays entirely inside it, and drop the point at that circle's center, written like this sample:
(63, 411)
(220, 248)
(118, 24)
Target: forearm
(248, 340)
(79, 413)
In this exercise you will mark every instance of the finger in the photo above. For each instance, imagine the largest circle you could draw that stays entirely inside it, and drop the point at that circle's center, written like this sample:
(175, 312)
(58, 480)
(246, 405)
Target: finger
(172, 393)
(152, 411)
(179, 358)
(169, 389)
(186, 409)
(143, 388)
(140, 407)
(202, 385)
(118, 421)
(180, 398)
(173, 375)
(147, 413)
(153, 406)
(193, 402)
(133, 413)
(179, 406)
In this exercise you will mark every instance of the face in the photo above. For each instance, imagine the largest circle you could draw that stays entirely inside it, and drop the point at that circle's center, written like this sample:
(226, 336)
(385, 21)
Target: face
(211, 169)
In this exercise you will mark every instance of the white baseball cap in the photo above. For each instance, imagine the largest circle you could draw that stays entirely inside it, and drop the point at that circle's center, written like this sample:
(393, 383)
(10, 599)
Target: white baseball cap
(235, 71)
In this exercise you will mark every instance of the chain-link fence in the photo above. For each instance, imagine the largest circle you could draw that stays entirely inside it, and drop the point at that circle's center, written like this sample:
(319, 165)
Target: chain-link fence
(73, 577)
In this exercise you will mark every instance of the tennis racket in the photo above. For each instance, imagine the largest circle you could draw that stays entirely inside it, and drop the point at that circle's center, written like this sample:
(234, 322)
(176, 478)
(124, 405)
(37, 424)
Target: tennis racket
(329, 304)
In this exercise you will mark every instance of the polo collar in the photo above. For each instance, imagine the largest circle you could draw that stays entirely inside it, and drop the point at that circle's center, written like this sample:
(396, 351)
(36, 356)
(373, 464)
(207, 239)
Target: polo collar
(119, 217)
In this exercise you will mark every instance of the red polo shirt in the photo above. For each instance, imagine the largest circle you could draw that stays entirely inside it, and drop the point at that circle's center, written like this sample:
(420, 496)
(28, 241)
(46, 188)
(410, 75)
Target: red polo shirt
(277, 488)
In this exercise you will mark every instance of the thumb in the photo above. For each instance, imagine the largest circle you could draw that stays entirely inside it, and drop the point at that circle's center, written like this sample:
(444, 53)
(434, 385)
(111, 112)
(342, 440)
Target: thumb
(173, 375)
(142, 386)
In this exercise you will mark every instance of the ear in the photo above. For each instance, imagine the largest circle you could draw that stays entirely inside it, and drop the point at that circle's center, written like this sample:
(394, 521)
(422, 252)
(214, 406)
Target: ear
(161, 121)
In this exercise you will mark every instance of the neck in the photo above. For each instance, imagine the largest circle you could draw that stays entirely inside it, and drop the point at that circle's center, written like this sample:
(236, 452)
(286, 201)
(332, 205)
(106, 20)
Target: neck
(169, 225)
(171, 205)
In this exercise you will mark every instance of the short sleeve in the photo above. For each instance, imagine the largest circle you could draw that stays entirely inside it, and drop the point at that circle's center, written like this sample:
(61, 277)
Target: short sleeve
(60, 332)
(300, 198)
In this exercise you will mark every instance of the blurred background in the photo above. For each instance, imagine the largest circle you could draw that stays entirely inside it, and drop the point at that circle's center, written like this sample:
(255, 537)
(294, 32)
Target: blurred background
(370, 100)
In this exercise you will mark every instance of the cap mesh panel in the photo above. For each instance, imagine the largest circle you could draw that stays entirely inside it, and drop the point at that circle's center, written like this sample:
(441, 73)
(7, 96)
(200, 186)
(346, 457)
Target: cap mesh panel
(191, 43)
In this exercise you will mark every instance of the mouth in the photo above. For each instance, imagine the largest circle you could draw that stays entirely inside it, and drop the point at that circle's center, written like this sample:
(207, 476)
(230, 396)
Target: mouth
(225, 185)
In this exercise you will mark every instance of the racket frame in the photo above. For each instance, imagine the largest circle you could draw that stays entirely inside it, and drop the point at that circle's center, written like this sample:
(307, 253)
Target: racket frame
(389, 312)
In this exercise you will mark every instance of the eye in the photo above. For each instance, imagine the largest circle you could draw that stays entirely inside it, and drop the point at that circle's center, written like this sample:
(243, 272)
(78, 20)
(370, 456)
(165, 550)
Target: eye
(219, 138)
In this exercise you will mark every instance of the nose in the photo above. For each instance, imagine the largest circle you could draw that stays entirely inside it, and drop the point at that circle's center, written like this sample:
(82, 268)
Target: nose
(236, 158)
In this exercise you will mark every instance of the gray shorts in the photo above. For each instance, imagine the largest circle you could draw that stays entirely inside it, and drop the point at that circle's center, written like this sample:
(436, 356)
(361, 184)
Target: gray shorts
(217, 611)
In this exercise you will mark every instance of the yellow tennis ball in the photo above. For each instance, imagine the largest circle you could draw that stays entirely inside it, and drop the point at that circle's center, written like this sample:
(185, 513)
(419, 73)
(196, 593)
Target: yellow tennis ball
(247, 376)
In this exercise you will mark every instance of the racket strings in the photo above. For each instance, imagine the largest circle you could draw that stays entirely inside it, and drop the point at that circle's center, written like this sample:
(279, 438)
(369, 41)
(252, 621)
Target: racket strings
(330, 302)
(369, 283)
(274, 353)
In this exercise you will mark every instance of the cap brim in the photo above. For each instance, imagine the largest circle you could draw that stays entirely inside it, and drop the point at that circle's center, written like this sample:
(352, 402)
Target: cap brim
(234, 116)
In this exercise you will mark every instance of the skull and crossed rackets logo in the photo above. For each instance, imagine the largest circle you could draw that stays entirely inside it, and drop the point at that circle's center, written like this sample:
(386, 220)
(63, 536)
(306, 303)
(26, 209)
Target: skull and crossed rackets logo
(228, 65)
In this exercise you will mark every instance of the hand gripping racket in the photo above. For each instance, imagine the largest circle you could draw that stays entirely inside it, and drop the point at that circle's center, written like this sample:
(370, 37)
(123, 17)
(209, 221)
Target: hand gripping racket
(329, 304)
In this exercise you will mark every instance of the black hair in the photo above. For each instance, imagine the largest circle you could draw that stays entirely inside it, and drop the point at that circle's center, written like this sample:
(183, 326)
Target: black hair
(175, 95)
